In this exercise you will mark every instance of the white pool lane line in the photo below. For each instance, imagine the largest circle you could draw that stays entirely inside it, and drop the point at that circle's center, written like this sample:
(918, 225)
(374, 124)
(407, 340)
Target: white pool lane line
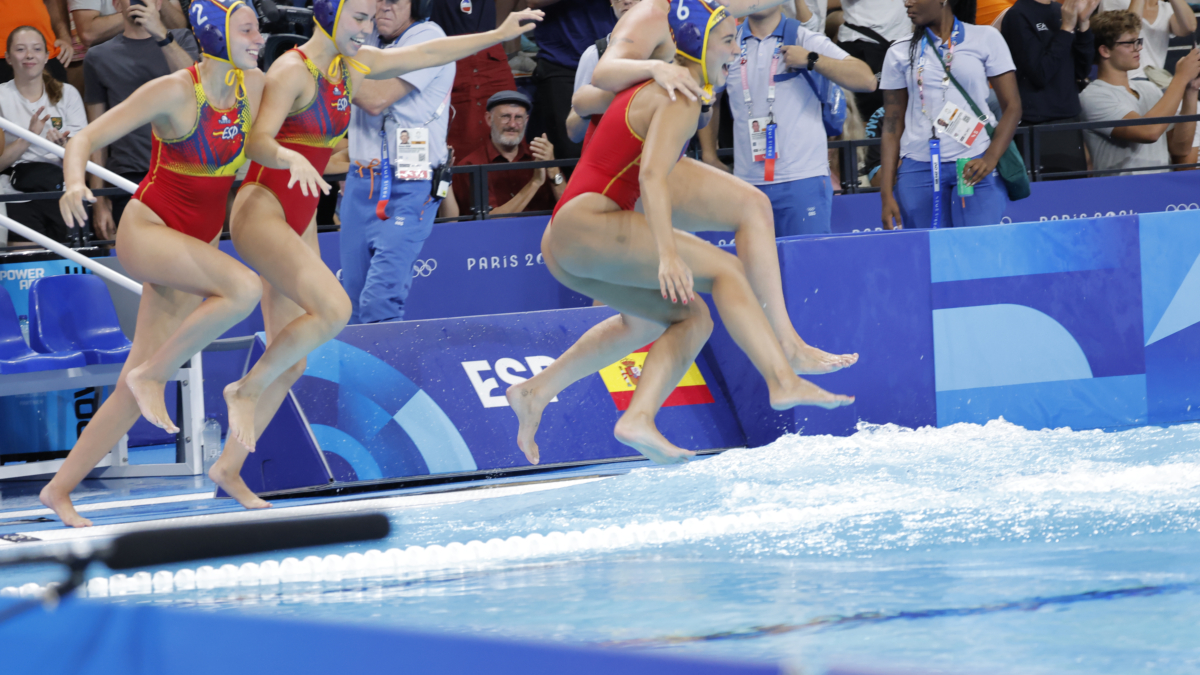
(279, 511)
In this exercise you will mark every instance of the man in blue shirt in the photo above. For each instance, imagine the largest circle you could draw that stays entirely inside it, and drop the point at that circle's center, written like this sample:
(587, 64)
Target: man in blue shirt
(799, 188)
(570, 27)
(381, 238)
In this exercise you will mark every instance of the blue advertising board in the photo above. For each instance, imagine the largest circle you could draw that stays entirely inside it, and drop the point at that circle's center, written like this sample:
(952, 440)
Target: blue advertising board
(416, 398)
(1057, 200)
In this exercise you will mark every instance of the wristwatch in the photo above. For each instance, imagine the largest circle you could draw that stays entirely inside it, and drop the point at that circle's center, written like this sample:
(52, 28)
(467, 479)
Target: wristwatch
(166, 41)
(812, 60)
(559, 178)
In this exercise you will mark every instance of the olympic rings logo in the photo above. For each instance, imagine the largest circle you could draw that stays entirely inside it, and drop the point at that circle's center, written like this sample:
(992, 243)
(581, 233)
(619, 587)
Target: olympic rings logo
(1183, 207)
(423, 268)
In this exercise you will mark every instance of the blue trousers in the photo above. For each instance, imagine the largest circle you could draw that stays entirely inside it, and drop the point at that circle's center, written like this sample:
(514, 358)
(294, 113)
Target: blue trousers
(801, 206)
(378, 255)
(914, 194)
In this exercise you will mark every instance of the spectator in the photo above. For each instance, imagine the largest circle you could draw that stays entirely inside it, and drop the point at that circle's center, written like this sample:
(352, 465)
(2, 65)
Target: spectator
(113, 70)
(570, 28)
(1159, 21)
(49, 17)
(98, 20)
(799, 186)
(377, 254)
(52, 110)
(577, 125)
(869, 28)
(511, 191)
(919, 99)
(1114, 96)
(478, 76)
(1052, 47)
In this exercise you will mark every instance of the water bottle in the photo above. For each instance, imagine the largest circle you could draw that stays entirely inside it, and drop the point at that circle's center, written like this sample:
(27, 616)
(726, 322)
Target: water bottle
(210, 438)
(24, 321)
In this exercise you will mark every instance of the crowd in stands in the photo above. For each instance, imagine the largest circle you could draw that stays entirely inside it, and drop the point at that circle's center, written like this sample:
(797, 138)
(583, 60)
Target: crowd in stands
(1037, 62)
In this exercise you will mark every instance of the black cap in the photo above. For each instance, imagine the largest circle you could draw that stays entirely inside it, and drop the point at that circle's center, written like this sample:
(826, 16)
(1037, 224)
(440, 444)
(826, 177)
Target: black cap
(514, 97)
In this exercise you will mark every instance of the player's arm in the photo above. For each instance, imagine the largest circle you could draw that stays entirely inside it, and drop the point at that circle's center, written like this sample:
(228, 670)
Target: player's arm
(285, 85)
(389, 63)
(627, 61)
(152, 103)
(671, 126)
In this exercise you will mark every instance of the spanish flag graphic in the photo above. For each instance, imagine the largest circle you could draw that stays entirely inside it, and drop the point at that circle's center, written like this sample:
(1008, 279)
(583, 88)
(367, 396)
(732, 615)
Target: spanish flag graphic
(621, 379)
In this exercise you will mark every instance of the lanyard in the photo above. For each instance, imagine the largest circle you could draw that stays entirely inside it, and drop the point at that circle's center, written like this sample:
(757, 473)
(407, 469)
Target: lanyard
(385, 162)
(771, 154)
(945, 76)
(935, 165)
(775, 59)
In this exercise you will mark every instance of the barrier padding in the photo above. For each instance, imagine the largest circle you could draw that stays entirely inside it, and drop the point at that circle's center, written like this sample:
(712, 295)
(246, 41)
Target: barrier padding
(1090, 323)
(416, 398)
(145, 640)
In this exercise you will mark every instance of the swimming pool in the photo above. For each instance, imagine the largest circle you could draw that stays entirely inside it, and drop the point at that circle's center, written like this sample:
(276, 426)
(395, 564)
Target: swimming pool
(967, 549)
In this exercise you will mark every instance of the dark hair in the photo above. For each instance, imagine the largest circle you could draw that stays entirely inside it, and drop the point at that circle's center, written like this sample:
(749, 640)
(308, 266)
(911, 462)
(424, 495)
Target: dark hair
(1108, 27)
(53, 87)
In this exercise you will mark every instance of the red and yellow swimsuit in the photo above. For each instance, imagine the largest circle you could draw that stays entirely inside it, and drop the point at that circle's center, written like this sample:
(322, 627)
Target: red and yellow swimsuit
(190, 177)
(610, 161)
(312, 131)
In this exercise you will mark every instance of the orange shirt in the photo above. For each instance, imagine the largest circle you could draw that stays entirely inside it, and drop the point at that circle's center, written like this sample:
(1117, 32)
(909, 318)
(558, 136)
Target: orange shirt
(986, 11)
(17, 13)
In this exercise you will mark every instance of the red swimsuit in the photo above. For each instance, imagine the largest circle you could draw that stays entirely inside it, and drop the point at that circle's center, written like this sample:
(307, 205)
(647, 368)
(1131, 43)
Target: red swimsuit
(190, 177)
(610, 161)
(312, 131)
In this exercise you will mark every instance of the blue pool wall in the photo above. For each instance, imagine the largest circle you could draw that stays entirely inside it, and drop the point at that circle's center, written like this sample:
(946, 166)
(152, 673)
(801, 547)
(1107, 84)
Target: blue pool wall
(1086, 323)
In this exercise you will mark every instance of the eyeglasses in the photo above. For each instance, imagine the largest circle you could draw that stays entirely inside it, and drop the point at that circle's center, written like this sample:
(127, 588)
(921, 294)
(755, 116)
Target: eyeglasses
(1137, 44)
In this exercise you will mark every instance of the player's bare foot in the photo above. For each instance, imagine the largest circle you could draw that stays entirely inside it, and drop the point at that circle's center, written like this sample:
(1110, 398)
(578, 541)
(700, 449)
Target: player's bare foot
(806, 359)
(231, 482)
(798, 391)
(241, 414)
(638, 432)
(60, 504)
(528, 406)
(148, 393)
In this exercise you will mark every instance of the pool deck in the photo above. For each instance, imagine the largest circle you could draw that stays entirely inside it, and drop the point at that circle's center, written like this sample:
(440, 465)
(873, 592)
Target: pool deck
(116, 506)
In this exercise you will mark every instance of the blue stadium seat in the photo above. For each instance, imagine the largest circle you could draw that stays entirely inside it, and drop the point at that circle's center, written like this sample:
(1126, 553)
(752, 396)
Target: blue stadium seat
(70, 312)
(17, 357)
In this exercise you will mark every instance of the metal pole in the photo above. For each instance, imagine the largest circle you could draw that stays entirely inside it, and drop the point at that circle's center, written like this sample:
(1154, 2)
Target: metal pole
(49, 244)
(95, 169)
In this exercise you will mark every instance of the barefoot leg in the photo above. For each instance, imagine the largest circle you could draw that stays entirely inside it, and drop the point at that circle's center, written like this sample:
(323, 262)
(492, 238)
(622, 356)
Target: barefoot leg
(666, 364)
(278, 312)
(296, 271)
(157, 254)
(600, 346)
(705, 199)
(160, 313)
(612, 256)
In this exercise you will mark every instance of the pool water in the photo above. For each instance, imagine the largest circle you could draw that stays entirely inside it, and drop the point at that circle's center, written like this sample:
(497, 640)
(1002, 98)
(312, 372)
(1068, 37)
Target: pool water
(969, 549)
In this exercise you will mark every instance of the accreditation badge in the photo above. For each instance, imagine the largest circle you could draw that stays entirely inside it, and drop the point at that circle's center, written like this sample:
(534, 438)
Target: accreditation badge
(959, 124)
(758, 137)
(412, 154)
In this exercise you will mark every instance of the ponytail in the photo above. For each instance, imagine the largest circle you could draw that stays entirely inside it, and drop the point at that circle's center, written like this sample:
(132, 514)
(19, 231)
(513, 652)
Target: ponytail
(54, 88)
